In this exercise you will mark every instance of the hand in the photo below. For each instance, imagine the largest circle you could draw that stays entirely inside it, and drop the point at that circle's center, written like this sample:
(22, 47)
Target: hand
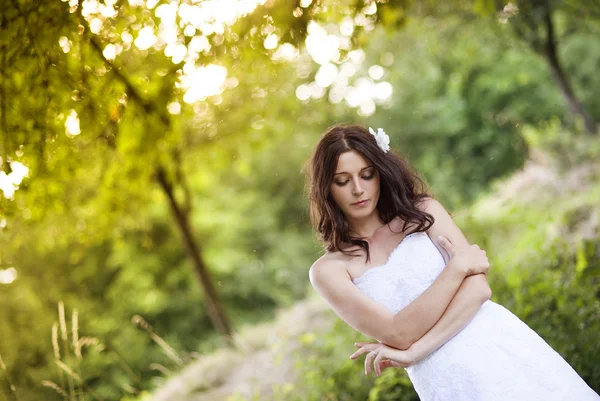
(470, 259)
(383, 357)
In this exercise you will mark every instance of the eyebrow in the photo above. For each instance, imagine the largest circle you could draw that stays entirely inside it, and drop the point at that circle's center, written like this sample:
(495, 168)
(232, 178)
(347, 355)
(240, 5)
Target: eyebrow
(343, 172)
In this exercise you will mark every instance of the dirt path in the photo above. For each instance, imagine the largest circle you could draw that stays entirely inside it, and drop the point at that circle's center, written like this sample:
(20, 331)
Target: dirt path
(262, 360)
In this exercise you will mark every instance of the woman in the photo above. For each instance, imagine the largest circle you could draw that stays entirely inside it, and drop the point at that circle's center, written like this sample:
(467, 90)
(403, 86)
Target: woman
(398, 269)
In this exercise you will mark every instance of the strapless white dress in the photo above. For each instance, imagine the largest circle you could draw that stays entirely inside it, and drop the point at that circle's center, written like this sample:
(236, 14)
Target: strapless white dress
(496, 357)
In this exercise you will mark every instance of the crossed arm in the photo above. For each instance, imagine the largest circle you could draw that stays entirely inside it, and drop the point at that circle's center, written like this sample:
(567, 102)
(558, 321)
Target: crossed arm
(473, 292)
(419, 317)
(430, 329)
(446, 306)
(451, 290)
(459, 313)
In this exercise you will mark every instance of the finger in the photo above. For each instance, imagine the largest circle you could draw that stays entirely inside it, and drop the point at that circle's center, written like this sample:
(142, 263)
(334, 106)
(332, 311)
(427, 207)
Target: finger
(358, 353)
(388, 363)
(377, 364)
(368, 361)
(361, 351)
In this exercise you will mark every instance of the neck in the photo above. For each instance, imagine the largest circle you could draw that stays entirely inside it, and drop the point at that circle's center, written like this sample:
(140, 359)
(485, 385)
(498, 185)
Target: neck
(365, 227)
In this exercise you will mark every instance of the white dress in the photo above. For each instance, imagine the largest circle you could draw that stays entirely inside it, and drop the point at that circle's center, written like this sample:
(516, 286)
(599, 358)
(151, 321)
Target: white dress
(496, 357)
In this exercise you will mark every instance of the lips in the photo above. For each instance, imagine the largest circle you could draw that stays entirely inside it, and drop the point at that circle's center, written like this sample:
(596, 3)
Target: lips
(360, 202)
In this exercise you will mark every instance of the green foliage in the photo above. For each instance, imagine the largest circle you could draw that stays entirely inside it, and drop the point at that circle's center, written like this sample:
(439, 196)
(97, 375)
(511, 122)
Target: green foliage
(326, 371)
(567, 149)
(90, 227)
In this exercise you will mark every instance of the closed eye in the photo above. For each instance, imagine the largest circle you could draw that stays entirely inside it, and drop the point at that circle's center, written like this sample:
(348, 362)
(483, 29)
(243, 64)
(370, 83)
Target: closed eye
(367, 177)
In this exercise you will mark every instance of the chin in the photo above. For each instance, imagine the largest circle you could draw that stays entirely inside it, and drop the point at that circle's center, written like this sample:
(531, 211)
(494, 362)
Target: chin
(362, 213)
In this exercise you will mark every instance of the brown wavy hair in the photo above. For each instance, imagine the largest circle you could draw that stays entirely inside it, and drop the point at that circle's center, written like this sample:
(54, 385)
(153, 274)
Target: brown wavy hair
(400, 187)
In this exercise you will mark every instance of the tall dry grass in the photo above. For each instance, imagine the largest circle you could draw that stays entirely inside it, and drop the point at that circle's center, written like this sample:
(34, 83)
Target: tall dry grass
(68, 350)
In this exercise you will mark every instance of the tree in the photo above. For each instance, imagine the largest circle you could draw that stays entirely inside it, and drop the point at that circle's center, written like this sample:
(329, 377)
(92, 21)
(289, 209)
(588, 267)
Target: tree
(119, 87)
(534, 23)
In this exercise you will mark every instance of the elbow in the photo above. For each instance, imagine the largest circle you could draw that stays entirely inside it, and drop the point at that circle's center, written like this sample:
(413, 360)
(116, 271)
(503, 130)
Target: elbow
(479, 288)
(485, 293)
(401, 341)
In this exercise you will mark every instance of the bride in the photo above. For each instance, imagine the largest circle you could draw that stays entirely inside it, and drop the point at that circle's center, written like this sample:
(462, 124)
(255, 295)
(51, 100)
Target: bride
(398, 269)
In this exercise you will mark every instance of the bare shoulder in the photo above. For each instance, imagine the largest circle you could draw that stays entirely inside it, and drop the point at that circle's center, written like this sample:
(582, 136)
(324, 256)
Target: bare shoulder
(427, 204)
(327, 267)
(433, 207)
(430, 205)
(332, 282)
(443, 225)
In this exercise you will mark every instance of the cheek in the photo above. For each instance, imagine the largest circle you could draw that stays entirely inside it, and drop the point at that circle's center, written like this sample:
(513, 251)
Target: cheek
(334, 193)
(375, 186)
(338, 191)
(337, 194)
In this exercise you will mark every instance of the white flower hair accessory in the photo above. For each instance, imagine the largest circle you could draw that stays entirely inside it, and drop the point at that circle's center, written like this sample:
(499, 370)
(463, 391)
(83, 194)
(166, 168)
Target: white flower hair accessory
(383, 140)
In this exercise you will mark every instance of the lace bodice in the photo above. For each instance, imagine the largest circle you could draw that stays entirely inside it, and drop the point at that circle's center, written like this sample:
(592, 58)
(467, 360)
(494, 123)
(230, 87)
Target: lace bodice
(411, 267)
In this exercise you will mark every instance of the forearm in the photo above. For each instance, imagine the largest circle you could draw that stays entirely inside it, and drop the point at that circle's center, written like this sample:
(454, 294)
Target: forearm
(473, 292)
(418, 317)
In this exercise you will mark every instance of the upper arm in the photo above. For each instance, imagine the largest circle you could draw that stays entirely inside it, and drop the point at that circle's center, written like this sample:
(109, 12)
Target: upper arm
(444, 225)
(331, 281)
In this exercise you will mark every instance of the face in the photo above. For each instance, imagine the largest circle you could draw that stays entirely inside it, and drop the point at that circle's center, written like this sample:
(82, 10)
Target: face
(355, 179)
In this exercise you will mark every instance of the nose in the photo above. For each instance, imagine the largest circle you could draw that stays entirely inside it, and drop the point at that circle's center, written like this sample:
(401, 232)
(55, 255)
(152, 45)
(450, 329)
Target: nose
(356, 188)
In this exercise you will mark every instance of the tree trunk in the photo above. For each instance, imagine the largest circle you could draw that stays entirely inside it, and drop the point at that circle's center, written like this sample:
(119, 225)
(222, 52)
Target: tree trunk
(550, 53)
(215, 309)
(214, 306)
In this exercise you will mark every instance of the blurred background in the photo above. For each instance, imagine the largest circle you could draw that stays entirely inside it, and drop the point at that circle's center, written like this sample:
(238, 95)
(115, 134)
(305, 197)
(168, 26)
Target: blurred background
(154, 232)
